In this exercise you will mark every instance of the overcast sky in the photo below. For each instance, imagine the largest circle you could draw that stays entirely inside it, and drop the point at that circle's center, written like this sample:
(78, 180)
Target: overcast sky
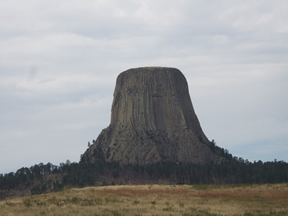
(59, 61)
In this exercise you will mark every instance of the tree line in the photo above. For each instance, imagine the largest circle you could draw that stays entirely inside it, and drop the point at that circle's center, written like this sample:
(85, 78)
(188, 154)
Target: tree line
(42, 178)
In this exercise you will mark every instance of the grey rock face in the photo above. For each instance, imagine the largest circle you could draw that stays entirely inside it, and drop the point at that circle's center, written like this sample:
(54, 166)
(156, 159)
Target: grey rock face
(152, 120)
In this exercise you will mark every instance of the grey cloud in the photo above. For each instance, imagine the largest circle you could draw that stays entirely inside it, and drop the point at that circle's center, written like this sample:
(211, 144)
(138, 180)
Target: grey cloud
(233, 55)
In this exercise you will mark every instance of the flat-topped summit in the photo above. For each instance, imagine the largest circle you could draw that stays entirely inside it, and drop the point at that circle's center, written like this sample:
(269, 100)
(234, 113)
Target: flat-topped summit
(152, 120)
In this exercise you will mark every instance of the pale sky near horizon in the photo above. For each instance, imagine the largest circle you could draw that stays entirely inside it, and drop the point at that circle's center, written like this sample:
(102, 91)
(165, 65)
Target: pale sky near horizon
(59, 61)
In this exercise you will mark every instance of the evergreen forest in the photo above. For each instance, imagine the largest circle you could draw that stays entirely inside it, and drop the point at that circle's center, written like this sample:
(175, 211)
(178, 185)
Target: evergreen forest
(44, 178)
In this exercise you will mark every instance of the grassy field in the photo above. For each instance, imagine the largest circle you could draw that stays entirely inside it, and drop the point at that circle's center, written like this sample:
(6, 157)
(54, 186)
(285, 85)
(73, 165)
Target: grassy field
(155, 200)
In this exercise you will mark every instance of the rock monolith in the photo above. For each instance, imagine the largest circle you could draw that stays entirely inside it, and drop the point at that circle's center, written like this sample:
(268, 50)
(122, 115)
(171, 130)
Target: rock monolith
(152, 121)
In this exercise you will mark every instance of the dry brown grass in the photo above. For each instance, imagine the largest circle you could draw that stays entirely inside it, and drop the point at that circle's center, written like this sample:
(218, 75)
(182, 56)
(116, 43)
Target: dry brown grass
(159, 200)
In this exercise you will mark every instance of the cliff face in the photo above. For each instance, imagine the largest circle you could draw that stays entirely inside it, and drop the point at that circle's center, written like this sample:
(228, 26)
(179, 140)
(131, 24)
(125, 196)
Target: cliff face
(152, 120)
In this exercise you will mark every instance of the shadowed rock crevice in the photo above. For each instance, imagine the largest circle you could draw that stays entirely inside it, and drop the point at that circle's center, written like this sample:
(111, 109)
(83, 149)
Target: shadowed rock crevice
(152, 120)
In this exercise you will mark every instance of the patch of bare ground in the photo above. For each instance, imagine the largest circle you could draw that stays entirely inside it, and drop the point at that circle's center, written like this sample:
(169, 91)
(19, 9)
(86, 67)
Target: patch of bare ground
(155, 200)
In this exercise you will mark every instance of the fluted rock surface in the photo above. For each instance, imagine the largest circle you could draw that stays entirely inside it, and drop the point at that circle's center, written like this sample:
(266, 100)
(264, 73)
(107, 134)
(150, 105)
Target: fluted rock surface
(152, 120)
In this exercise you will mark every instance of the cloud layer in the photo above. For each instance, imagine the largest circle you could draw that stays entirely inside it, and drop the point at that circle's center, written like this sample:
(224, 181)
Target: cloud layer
(59, 62)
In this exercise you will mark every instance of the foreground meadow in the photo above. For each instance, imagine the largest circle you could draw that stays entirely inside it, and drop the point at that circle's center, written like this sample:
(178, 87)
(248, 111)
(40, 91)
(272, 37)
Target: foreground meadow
(159, 200)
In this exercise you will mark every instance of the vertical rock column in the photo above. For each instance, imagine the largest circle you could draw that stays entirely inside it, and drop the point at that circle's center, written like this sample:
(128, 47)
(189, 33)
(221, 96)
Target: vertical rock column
(152, 120)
